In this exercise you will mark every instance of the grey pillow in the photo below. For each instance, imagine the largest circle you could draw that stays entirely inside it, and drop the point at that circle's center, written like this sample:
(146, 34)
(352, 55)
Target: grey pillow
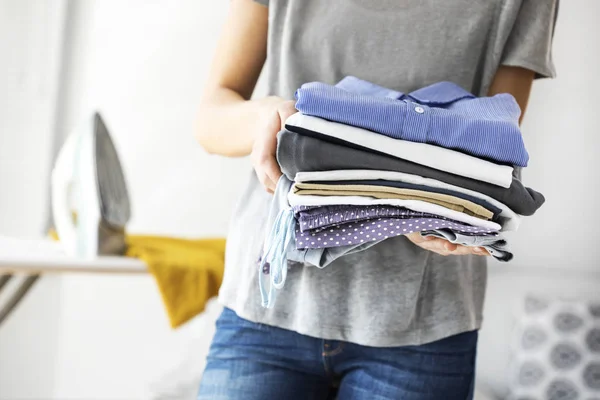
(556, 351)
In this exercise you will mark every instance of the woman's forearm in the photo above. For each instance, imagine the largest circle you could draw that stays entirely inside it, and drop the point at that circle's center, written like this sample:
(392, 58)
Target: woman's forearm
(227, 122)
(516, 81)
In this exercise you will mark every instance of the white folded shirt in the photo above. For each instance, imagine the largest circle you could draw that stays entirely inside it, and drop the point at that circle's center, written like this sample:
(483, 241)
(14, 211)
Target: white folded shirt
(421, 153)
(509, 220)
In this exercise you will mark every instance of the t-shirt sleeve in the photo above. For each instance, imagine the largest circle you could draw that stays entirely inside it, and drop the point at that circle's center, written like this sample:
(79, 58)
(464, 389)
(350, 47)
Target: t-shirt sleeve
(263, 2)
(529, 43)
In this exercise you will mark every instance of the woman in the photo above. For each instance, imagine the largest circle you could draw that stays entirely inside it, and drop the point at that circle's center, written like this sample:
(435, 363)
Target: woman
(397, 321)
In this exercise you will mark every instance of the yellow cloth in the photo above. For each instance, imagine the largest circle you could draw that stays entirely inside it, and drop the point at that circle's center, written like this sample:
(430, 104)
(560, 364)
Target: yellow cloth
(188, 272)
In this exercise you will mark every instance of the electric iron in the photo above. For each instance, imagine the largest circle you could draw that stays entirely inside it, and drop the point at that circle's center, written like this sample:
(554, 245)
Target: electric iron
(90, 202)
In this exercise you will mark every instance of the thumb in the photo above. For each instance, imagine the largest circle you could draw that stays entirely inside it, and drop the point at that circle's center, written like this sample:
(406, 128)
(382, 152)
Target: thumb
(286, 109)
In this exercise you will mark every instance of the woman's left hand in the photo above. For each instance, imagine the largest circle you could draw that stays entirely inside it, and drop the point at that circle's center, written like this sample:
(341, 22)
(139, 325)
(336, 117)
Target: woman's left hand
(444, 247)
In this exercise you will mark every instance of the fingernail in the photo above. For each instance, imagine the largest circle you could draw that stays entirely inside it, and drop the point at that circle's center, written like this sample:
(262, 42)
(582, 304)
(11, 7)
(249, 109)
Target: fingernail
(478, 250)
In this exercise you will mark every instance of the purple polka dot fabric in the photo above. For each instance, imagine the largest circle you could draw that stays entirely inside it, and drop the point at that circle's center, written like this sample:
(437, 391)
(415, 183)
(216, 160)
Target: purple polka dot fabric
(377, 229)
(315, 217)
(333, 226)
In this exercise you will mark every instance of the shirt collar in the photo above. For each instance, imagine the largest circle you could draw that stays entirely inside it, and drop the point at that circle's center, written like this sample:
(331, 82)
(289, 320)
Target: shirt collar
(435, 94)
(440, 93)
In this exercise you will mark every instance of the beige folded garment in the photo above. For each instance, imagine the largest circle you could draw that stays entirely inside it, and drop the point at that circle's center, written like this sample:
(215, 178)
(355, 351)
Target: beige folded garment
(387, 192)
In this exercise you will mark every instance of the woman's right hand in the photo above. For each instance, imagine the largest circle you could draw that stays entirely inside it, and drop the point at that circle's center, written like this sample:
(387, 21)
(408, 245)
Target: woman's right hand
(271, 119)
(444, 247)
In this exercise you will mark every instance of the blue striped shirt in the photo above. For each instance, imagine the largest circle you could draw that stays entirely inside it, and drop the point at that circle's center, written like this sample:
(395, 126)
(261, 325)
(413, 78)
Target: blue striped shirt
(441, 114)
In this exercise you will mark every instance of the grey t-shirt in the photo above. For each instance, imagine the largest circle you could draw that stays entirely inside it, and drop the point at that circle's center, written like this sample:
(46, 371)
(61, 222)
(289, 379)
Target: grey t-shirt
(394, 293)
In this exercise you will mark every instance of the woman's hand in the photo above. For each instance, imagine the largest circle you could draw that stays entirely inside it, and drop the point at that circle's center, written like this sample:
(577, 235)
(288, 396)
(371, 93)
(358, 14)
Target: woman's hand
(271, 119)
(444, 247)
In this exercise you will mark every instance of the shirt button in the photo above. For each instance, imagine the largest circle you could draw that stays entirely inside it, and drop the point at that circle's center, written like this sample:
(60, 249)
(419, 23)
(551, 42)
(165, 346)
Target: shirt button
(420, 110)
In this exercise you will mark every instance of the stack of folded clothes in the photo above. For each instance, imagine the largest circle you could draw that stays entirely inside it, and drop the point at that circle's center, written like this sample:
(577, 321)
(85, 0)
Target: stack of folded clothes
(363, 163)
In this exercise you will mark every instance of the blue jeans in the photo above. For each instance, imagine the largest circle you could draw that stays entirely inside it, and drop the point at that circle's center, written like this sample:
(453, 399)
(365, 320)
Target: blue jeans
(250, 361)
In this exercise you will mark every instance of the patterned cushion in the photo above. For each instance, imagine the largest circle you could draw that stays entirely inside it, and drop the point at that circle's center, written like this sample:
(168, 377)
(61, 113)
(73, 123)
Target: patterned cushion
(556, 352)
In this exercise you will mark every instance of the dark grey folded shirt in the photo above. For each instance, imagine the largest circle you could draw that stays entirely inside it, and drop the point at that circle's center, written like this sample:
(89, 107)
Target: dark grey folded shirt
(301, 153)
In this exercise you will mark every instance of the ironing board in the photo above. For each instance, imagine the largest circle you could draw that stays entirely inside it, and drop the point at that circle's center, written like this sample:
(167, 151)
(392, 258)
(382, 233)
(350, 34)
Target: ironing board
(34, 258)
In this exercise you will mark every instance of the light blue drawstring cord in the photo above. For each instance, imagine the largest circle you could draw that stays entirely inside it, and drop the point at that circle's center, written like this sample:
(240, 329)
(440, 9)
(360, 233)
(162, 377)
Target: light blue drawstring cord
(274, 258)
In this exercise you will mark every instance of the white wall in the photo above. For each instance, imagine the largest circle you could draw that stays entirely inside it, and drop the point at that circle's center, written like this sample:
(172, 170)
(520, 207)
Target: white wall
(31, 34)
(31, 39)
(143, 64)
